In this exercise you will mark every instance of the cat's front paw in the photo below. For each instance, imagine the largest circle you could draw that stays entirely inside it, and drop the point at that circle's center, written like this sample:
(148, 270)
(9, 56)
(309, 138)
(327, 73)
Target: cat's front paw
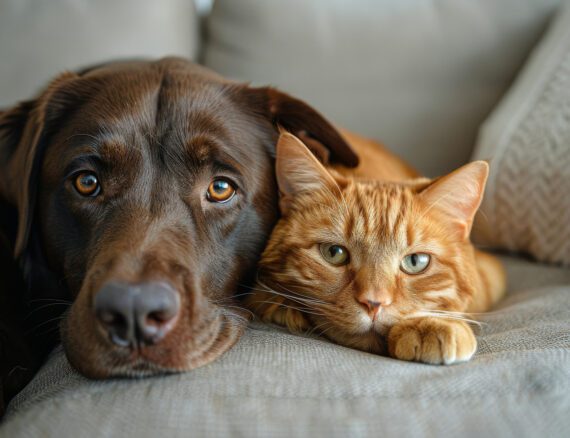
(432, 340)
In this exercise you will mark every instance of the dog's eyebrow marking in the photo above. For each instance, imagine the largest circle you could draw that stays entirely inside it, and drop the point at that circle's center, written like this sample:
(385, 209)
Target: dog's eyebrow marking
(199, 148)
(114, 150)
(119, 155)
(202, 150)
(114, 153)
(104, 144)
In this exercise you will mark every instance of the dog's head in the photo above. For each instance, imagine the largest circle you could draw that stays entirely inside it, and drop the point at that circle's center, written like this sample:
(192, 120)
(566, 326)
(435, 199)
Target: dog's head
(145, 191)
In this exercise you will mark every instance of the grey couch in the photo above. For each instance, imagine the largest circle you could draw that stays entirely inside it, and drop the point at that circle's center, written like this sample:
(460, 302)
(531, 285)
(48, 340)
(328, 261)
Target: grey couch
(421, 76)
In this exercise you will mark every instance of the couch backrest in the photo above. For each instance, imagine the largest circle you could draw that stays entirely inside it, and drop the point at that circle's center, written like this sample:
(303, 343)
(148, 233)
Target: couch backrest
(421, 75)
(39, 39)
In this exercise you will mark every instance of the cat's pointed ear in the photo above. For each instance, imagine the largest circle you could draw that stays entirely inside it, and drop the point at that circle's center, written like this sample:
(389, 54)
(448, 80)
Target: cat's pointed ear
(458, 194)
(298, 170)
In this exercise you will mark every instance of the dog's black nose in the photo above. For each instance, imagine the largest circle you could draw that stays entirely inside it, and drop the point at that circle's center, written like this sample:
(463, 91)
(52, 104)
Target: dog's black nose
(137, 314)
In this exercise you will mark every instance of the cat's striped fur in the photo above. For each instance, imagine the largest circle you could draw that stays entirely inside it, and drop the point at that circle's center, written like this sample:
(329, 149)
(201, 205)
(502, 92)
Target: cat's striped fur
(421, 317)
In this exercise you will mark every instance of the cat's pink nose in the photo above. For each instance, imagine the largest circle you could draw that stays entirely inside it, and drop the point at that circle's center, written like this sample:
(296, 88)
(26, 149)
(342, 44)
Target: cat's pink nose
(374, 302)
(372, 307)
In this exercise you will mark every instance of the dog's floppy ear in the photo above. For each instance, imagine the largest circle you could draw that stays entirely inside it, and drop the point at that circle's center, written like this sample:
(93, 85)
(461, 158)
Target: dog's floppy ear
(23, 133)
(303, 121)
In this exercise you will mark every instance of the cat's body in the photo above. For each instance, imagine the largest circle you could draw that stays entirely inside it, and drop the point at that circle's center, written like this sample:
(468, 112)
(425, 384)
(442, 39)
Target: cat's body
(342, 259)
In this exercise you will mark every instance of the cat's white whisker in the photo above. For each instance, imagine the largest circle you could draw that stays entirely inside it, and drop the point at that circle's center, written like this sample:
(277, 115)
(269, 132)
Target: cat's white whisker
(324, 332)
(316, 328)
(296, 298)
(292, 295)
(300, 309)
(457, 316)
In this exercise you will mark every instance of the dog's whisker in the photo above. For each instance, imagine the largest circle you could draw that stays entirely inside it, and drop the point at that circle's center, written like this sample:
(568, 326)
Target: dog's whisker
(240, 309)
(51, 320)
(48, 331)
(231, 298)
(232, 318)
(44, 307)
(50, 300)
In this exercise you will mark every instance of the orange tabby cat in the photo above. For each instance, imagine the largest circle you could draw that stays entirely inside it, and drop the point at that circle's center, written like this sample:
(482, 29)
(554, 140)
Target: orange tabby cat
(373, 263)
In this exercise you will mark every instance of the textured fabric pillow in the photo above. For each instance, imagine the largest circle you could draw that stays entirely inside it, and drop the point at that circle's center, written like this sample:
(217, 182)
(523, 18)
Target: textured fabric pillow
(420, 75)
(527, 203)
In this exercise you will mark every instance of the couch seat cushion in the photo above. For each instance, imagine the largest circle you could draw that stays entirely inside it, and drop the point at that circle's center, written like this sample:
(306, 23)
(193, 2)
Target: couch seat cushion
(273, 383)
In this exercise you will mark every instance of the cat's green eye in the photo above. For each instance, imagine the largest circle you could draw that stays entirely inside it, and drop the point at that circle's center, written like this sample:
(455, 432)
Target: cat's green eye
(336, 255)
(415, 263)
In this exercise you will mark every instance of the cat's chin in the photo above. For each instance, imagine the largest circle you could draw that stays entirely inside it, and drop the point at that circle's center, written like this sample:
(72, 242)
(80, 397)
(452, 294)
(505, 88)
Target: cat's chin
(381, 328)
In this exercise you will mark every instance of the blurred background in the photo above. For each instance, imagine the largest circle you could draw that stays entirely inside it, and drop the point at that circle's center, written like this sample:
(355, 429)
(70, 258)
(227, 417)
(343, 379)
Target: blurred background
(420, 75)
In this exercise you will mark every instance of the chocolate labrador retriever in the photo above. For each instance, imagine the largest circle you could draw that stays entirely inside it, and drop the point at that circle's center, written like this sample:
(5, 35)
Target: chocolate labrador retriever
(142, 193)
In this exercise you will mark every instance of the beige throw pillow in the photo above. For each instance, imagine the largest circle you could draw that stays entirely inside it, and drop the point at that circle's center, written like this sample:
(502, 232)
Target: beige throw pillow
(527, 138)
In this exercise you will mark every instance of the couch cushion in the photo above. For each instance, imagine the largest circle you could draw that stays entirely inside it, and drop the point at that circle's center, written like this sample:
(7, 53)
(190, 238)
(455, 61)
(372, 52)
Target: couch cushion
(527, 138)
(420, 75)
(39, 39)
(273, 383)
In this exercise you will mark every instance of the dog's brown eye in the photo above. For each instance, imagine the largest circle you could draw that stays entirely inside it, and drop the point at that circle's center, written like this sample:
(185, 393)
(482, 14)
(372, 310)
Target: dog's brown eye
(220, 190)
(86, 184)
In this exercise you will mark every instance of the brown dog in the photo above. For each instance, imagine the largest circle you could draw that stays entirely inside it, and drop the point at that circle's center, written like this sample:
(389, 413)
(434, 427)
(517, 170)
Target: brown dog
(143, 193)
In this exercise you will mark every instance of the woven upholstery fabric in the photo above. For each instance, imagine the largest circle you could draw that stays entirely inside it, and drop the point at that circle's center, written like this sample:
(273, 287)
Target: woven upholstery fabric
(527, 204)
(273, 383)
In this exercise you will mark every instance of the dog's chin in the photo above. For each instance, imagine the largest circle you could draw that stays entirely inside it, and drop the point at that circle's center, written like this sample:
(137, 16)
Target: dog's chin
(97, 358)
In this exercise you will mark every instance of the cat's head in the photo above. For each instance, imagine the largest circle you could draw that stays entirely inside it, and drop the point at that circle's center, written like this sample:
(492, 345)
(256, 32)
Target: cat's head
(357, 256)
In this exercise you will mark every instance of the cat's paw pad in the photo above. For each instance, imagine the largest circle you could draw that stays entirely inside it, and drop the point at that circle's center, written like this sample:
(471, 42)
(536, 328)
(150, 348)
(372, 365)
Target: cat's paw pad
(432, 341)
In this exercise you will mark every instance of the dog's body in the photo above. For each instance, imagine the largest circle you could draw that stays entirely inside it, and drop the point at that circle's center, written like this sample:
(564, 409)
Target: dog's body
(113, 187)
